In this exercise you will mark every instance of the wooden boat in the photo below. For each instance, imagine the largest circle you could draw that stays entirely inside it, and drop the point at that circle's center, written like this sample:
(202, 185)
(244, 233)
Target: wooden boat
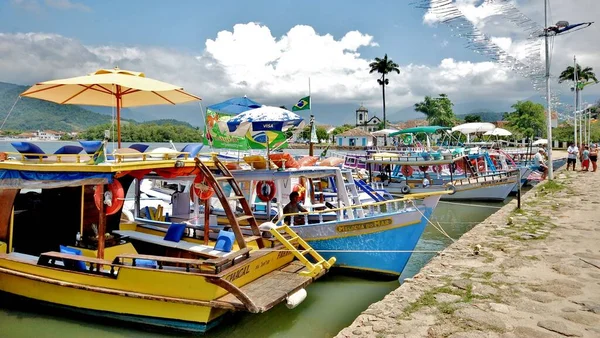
(127, 272)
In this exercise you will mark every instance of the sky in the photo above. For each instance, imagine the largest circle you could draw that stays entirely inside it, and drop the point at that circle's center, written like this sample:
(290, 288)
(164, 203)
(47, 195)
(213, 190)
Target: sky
(268, 50)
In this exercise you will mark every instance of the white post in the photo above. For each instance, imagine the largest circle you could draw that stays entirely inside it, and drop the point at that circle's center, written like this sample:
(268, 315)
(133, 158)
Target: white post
(548, 103)
(575, 98)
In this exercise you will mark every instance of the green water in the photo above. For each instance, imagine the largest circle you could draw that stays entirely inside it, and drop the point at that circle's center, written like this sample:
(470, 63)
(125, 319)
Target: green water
(333, 302)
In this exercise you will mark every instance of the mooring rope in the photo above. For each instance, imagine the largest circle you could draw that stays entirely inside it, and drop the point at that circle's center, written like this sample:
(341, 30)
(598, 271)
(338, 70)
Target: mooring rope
(472, 205)
(438, 227)
(10, 111)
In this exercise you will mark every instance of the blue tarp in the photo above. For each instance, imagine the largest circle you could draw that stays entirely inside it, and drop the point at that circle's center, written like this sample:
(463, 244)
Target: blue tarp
(15, 179)
(235, 105)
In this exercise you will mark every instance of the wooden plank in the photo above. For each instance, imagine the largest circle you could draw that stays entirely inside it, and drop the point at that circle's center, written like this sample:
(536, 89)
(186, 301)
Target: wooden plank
(268, 290)
(59, 255)
(160, 258)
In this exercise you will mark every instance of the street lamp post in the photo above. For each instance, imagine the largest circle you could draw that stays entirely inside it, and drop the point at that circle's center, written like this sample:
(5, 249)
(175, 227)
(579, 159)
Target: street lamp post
(548, 103)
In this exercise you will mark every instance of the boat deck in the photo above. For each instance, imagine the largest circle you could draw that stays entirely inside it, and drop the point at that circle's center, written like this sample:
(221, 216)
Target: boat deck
(280, 283)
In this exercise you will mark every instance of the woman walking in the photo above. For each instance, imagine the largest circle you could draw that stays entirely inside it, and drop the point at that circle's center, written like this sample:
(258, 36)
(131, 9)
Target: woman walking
(594, 156)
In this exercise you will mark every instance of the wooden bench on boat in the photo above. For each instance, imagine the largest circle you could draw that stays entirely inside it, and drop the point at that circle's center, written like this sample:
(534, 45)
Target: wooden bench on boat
(195, 248)
(50, 258)
(216, 264)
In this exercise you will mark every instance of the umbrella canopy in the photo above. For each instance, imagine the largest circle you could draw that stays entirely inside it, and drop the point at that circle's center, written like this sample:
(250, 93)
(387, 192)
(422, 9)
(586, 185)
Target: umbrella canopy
(111, 88)
(384, 132)
(498, 132)
(235, 105)
(264, 125)
(423, 129)
(474, 127)
(540, 142)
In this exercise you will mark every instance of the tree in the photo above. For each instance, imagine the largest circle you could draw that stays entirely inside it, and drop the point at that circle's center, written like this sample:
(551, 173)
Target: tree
(527, 119)
(384, 66)
(305, 133)
(322, 134)
(437, 110)
(380, 126)
(585, 77)
(472, 118)
(341, 129)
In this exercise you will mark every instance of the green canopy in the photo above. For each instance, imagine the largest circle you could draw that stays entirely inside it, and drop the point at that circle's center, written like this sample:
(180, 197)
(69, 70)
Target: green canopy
(423, 129)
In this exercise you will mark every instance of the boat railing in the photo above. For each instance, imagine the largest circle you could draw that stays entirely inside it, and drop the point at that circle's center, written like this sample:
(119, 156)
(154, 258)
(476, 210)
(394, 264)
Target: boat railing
(84, 158)
(487, 177)
(372, 209)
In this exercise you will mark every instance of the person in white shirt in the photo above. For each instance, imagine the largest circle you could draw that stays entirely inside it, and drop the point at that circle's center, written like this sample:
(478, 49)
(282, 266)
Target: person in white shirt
(572, 157)
(539, 163)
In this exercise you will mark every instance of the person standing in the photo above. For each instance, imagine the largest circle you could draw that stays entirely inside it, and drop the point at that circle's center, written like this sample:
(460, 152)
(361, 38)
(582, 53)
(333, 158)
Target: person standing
(539, 163)
(572, 156)
(585, 156)
(594, 156)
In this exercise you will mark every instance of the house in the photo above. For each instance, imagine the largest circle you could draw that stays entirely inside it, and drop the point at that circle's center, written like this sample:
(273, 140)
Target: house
(48, 135)
(364, 122)
(409, 124)
(355, 137)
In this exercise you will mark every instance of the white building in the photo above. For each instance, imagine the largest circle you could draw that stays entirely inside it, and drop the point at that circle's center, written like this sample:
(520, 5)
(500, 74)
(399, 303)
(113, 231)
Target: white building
(356, 137)
(364, 122)
(47, 135)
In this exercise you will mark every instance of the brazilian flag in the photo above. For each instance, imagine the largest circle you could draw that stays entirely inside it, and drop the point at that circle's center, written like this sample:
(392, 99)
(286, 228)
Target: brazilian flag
(303, 104)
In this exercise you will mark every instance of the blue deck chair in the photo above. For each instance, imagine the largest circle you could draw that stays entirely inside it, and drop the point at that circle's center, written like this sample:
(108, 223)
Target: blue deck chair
(193, 149)
(139, 147)
(90, 147)
(30, 148)
(225, 241)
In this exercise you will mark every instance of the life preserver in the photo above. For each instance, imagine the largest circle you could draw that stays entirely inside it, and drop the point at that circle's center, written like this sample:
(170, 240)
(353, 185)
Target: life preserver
(405, 189)
(460, 165)
(201, 188)
(113, 197)
(407, 170)
(481, 165)
(301, 190)
(265, 190)
(451, 188)
(437, 168)
(424, 168)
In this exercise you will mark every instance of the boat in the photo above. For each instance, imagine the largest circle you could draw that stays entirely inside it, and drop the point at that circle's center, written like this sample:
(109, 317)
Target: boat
(374, 238)
(64, 244)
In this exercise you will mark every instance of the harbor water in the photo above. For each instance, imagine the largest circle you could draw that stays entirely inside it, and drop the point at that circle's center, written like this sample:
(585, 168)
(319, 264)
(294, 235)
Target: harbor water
(333, 302)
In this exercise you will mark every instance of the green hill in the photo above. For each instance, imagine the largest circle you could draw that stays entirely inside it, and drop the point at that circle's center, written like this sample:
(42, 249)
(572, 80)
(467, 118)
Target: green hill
(33, 114)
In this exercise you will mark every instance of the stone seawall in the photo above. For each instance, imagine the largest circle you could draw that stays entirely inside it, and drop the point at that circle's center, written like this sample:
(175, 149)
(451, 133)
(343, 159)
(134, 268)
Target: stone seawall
(533, 272)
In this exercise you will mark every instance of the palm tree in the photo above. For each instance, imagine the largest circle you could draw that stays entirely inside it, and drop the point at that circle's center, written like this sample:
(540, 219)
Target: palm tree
(585, 77)
(438, 110)
(384, 66)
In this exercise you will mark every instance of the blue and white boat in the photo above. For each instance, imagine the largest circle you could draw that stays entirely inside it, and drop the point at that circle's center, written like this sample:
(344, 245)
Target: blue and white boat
(376, 237)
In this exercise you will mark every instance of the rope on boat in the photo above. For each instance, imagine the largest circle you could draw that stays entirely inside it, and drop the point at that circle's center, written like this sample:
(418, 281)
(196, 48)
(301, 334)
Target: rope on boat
(10, 111)
(437, 226)
(472, 205)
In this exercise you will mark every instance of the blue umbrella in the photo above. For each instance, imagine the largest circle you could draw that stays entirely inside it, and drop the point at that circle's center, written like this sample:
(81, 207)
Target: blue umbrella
(235, 105)
(265, 118)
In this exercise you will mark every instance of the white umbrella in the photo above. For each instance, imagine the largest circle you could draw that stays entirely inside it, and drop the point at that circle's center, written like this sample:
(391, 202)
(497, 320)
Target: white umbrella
(540, 142)
(474, 127)
(498, 132)
(384, 132)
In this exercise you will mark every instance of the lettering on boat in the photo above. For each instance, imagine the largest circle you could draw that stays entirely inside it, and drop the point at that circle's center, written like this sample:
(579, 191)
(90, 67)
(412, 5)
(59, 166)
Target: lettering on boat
(363, 226)
(282, 254)
(237, 273)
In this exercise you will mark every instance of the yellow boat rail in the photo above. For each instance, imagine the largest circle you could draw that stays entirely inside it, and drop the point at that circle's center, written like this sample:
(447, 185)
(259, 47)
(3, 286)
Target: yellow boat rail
(383, 207)
(83, 158)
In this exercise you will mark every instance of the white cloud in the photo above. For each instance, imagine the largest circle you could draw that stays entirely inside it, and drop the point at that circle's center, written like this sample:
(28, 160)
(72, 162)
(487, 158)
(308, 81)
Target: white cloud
(249, 60)
(67, 5)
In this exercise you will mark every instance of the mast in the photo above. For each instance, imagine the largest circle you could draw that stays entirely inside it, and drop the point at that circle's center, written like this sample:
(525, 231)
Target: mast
(575, 103)
(548, 103)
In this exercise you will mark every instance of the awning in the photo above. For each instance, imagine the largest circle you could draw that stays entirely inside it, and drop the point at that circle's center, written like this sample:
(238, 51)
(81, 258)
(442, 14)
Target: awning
(423, 129)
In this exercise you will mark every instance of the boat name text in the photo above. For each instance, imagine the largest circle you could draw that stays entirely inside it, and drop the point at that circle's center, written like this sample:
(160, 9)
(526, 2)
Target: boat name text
(363, 226)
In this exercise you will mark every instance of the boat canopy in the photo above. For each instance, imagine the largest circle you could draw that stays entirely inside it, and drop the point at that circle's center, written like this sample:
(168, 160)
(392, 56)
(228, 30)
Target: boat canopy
(498, 132)
(273, 175)
(19, 179)
(422, 129)
(474, 127)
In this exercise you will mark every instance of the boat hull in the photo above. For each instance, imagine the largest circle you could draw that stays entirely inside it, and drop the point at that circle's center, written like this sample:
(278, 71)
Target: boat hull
(379, 244)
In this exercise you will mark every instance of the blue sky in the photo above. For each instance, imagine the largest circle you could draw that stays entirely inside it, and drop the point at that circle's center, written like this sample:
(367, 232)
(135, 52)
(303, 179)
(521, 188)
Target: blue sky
(268, 49)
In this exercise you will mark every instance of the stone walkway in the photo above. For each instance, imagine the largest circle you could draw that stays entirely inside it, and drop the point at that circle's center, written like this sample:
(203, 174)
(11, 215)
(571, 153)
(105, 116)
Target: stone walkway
(533, 272)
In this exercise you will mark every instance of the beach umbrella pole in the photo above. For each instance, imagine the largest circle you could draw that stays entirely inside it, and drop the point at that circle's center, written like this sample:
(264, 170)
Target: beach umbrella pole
(118, 96)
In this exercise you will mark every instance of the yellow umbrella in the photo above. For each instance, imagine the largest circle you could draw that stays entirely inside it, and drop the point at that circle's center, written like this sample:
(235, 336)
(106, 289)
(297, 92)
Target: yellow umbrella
(112, 88)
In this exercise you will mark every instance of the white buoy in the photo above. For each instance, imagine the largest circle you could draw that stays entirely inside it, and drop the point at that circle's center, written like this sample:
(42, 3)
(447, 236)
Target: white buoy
(295, 298)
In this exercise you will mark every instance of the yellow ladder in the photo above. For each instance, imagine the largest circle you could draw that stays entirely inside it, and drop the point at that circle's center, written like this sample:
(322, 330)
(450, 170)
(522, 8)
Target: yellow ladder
(303, 249)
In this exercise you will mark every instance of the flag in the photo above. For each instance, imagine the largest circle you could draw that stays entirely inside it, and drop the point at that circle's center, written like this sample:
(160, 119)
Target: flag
(303, 104)
(98, 157)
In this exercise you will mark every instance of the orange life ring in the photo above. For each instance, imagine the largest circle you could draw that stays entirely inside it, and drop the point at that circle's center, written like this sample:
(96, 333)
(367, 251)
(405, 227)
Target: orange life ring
(301, 190)
(460, 165)
(114, 193)
(265, 190)
(406, 170)
(437, 169)
(201, 188)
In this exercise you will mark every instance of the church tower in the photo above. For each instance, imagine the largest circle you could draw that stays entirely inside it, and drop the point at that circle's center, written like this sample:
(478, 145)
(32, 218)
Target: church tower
(362, 115)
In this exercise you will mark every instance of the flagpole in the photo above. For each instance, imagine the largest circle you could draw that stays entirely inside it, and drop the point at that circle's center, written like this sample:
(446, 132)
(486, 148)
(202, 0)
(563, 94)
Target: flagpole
(310, 145)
